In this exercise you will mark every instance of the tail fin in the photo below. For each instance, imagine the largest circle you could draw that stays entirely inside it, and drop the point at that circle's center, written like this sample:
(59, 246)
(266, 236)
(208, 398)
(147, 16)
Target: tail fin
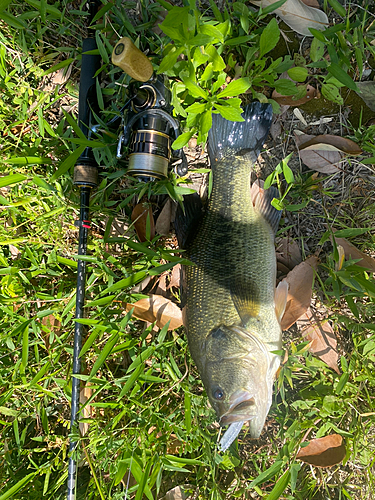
(227, 138)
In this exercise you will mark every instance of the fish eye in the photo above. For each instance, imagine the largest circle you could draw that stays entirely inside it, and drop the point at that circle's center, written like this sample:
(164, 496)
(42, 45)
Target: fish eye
(219, 394)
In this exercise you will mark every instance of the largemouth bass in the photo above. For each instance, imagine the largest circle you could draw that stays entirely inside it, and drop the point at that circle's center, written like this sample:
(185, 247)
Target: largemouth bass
(230, 309)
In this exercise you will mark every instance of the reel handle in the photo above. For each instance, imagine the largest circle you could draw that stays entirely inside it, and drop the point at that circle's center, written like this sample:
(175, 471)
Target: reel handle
(133, 61)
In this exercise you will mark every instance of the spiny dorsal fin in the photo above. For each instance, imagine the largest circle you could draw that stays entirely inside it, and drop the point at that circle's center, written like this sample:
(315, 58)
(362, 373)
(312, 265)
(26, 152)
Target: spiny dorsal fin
(187, 221)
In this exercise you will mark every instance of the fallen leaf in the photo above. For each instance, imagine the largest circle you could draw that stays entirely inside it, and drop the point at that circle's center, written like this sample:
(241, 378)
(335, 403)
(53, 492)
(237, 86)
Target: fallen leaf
(323, 452)
(86, 411)
(297, 15)
(142, 213)
(311, 93)
(159, 309)
(322, 338)
(180, 493)
(367, 93)
(298, 114)
(163, 222)
(300, 281)
(342, 143)
(323, 158)
(352, 252)
(301, 138)
(62, 75)
(175, 278)
(312, 3)
(288, 252)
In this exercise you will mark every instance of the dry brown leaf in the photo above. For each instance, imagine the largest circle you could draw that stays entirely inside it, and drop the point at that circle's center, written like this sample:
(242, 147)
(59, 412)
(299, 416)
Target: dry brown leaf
(323, 452)
(288, 252)
(52, 324)
(84, 395)
(163, 222)
(323, 158)
(62, 75)
(322, 338)
(312, 3)
(311, 93)
(159, 309)
(180, 493)
(301, 138)
(352, 252)
(175, 279)
(140, 214)
(297, 15)
(300, 281)
(341, 143)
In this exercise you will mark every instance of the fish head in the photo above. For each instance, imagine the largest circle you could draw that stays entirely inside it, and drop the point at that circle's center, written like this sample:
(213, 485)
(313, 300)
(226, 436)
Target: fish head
(238, 376)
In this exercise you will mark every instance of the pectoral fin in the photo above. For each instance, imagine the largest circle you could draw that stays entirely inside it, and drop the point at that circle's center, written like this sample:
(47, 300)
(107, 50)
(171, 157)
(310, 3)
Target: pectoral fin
(261, 199)
(281, 298)
(246, 298)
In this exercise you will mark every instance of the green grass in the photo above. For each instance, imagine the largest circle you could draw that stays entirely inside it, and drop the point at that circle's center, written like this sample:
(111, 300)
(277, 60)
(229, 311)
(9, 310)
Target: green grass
(149, 413)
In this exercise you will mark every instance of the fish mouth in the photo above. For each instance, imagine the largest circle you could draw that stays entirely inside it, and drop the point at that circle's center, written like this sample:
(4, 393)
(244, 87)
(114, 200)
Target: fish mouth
(242, 408)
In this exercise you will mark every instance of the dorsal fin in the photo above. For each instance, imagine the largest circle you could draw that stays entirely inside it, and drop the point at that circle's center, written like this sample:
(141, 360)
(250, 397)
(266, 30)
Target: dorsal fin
(187, 219)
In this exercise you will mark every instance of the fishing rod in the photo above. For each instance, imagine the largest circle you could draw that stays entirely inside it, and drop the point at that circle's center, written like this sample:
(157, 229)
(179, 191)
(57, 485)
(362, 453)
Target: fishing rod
(86, 178)
(147, 130)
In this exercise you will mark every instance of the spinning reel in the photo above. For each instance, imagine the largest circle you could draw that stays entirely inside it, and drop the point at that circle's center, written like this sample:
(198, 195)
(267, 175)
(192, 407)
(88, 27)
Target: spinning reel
(147, 128)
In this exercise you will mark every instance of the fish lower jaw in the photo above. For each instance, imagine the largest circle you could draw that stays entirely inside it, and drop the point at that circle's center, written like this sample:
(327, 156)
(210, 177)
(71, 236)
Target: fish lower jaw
(231, 418)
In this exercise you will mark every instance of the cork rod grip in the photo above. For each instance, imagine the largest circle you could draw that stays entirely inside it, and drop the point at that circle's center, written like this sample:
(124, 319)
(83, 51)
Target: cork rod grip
(132, 60)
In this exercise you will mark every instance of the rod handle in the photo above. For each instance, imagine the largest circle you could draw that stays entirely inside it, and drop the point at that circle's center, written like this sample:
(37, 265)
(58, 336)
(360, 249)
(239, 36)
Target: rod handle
(130, 59)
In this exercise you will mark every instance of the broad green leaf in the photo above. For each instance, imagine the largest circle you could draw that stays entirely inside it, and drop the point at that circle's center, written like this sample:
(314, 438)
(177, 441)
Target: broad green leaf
(217, 61)
(229, 113)
(332, 93)
(58, 66)
(317, 50)
(206, 121)
(200, 39)
(126, 282)
(13, 21)
(298, 74)
(269, 37)
(4, 4)
(8, 412)
(131, 380)
(340, 9)
(351, 232)
(212, 31)
(182, 140)
(68, 163)
(235, 88)
(335, 70)
(17, 487)
(285, 87)
(196, 108)
(170, 60)
(105, 353)
(280, 486)
(195, 90)
(267, 474)
(8, 180)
